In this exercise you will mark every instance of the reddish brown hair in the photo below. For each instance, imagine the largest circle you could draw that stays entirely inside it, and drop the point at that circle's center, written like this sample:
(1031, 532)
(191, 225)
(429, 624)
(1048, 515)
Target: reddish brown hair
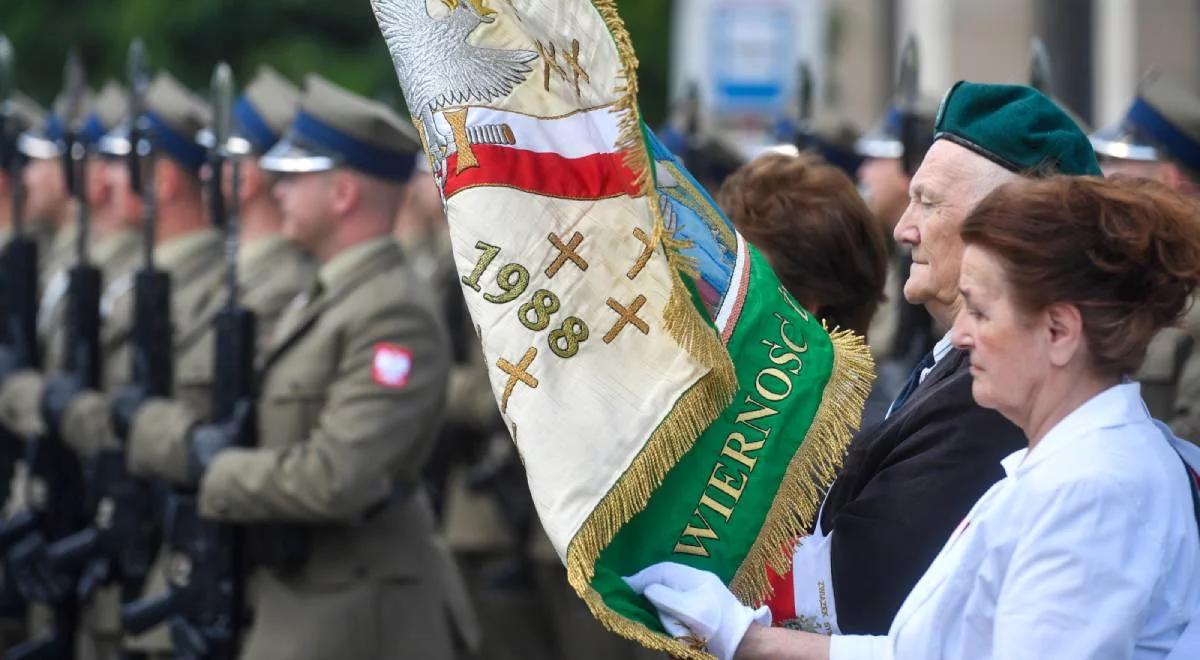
(810, 223)
(1126, 251)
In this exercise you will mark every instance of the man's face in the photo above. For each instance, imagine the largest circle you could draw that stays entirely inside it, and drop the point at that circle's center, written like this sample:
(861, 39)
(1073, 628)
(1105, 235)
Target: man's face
(306, 201)
(950, 182)
(45, 189)
(885, 188)
(125, 204)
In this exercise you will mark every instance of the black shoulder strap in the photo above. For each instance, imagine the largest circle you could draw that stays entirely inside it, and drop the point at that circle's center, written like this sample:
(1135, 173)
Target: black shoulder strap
(1195, 488)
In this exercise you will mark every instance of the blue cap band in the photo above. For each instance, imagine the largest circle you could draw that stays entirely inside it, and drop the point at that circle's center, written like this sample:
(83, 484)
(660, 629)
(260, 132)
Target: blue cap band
(383, 163)
(92, 130)
(253, 127)
(1149, 121)
(55, 131)
(185, 151)
(893, 122)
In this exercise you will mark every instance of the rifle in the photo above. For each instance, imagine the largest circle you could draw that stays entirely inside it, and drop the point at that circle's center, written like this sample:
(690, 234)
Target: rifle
(50, 461)
(121, 540)
(204, 604)
(916, 132)
(21, 253)
(11, 446)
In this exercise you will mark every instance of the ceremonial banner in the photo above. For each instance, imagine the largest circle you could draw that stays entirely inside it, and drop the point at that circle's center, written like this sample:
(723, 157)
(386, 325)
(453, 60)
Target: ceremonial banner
(610, 294)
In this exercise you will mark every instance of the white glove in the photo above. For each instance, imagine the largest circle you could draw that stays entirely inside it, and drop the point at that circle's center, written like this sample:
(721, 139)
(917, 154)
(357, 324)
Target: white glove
(695, 604)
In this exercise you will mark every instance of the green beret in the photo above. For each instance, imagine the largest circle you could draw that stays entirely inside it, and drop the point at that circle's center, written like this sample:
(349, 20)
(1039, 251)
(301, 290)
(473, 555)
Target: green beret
(1015, 126)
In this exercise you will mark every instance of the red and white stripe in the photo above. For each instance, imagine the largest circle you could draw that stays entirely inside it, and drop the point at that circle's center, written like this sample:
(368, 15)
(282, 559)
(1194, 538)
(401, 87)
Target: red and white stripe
(570, 157)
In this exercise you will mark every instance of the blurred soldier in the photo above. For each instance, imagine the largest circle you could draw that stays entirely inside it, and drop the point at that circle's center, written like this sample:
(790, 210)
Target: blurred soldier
(186, 248)
(114, 247)
(48, 203)
(1159, 138)
(271, 272)
(113, 250)
(892, 150)
(351, 392)
(27, 114)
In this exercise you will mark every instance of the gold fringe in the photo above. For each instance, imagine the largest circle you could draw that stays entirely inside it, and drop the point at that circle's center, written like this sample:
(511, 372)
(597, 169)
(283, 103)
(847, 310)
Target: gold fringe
(636, 632)
(816, 463)
(695, 409)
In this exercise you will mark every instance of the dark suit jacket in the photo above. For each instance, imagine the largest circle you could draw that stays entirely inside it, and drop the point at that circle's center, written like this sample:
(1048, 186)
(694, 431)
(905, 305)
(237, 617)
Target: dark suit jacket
(905, 485)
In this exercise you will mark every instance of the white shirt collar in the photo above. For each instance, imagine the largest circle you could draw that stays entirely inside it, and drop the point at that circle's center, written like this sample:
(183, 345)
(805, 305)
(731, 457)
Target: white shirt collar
(1119, 404)
(940, 350)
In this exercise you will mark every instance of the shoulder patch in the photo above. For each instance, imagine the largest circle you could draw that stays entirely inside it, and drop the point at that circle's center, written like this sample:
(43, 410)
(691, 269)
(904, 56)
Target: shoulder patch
(391, 365)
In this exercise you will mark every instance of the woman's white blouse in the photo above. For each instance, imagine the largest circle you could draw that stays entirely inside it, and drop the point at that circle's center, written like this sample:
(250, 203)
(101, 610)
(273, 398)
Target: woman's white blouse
(1087, 549)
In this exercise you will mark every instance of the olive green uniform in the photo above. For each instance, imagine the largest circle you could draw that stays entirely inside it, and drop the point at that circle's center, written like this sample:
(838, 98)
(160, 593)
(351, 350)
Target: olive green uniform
(342, 438)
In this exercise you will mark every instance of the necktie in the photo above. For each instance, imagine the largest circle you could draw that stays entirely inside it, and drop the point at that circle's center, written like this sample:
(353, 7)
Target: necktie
(914, 380)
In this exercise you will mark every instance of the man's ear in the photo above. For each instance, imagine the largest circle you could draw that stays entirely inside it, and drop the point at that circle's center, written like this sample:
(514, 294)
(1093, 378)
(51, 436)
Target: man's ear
(347, 193)
(168, 179)
(1064, 327)
(252, 181)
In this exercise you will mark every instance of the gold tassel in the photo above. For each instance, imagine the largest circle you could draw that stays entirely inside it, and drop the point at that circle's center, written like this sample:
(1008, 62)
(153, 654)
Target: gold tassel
(816, 462)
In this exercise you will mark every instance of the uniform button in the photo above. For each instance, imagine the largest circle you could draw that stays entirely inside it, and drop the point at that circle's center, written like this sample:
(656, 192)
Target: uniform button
(360, 572)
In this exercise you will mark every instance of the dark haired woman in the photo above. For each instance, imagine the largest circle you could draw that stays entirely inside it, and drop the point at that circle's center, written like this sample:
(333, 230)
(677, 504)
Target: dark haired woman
(808, 220)
(1089, 548)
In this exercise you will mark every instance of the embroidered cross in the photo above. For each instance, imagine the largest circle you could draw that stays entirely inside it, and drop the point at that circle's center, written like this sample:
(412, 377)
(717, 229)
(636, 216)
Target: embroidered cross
(647, 252)
(566, 252)
(517, 374)
(626, 316)
(572, 59)
(549, 63)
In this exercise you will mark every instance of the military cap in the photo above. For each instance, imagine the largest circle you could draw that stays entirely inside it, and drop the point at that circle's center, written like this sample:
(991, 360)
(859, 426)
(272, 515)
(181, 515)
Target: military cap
(99, 114)
(834, 142)
(46, 140)
(1163, 122)
(1016, 127)
(25, 112)
(173, 115)
(261, 114)
(886, 138)
(337, 128)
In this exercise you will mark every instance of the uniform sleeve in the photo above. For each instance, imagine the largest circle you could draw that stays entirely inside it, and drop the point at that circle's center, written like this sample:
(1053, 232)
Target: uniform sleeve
(158, 441)
(85, 425)
(1080, 579)
(885, 538)
(20, 403)
(368, 438)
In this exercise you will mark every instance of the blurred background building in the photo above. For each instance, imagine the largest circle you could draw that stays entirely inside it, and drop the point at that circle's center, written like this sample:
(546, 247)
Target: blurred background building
(742, 54)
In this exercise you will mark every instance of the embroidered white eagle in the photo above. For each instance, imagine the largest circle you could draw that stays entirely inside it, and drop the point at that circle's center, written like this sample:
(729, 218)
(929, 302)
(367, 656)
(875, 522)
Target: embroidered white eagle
(436, 65)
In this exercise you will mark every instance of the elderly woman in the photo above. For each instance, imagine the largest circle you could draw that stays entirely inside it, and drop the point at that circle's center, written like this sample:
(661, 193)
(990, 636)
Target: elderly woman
(1089, 548)
(808, 220)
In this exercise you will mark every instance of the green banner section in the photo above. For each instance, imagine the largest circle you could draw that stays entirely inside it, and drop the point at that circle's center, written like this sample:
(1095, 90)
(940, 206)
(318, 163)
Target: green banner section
(714, 502)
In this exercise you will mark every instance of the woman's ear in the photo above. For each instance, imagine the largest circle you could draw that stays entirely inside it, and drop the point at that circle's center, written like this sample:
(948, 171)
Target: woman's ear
(1064, 325)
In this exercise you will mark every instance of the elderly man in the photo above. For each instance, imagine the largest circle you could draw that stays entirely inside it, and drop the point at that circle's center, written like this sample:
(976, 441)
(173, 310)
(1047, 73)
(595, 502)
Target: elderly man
(910, 480)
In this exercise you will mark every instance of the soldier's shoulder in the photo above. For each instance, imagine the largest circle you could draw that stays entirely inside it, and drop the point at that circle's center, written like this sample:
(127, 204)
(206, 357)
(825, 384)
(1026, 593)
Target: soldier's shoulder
(392, 287)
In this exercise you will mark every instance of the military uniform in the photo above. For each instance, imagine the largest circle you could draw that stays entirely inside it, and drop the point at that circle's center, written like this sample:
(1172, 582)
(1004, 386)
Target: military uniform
(189, 259)
(1161, 128)
(350, 397)
(271, 272)
(26, 114)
